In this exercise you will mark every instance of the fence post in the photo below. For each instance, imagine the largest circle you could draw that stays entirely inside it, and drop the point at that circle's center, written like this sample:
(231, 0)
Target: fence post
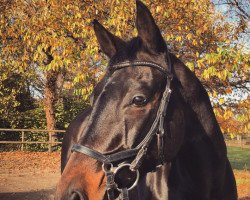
(22, 141)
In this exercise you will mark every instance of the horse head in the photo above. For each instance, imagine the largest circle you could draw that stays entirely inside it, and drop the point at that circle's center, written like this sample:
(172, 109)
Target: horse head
(140, 114)
(124, 107)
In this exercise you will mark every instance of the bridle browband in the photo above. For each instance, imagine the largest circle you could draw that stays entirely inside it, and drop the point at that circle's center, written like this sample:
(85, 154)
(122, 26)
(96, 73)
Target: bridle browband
(139, 152)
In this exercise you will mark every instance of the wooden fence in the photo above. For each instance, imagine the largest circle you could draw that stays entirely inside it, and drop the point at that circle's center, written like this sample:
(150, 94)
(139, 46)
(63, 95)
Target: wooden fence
(51, 135)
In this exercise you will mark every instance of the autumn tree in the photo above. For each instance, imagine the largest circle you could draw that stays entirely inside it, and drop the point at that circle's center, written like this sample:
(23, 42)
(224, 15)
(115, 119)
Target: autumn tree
(16, 98)
(36, 39)
(54, 40)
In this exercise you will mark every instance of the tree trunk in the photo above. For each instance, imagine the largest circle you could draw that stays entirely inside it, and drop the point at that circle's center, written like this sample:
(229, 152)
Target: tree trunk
(51, 96)
(53, 84)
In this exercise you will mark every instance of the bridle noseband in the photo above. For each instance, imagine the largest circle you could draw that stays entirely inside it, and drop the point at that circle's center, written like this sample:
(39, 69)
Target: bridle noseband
(139, 152)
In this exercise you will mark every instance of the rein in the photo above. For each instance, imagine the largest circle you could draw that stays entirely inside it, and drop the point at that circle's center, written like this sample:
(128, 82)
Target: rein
(140, 151)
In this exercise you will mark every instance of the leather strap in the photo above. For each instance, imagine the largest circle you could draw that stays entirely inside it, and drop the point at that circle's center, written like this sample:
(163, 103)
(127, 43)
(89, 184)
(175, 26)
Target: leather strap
(125, 64)
(106, 159)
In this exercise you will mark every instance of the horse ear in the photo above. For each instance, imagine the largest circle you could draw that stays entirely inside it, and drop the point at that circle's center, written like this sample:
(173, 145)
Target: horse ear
(109, 43)
(148, 31)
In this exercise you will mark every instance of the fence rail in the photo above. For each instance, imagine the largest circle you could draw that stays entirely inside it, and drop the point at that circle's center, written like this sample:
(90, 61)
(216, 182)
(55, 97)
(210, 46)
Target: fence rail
(51, 135)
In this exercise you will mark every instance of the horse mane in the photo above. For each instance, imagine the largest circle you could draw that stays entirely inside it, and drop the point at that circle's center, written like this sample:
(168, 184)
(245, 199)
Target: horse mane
(195, 95)
(208, 141)
(127, 52)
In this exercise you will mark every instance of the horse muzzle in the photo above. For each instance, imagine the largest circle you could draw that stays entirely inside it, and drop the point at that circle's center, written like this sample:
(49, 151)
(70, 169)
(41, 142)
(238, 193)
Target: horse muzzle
(74, 195)
(81, 180)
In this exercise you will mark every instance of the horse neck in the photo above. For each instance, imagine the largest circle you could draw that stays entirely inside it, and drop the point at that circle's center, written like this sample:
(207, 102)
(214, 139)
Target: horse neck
(195, 158)
(195, 95)
(170, 180)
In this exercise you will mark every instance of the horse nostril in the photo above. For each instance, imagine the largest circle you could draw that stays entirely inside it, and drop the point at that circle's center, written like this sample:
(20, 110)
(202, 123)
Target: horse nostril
(76, 195)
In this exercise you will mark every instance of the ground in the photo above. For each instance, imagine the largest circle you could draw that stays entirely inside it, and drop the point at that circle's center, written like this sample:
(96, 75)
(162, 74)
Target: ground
(28, 176)
(33, 176)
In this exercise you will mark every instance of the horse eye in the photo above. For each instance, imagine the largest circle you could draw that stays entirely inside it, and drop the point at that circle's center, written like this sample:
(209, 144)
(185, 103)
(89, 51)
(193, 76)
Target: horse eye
(139, 101)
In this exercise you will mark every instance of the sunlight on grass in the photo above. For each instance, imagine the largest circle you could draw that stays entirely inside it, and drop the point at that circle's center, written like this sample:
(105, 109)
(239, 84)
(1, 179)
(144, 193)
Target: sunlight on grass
(239, 157)
(239, 181)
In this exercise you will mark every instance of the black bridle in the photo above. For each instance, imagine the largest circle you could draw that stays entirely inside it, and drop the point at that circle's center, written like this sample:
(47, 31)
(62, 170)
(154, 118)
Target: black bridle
(139, 152)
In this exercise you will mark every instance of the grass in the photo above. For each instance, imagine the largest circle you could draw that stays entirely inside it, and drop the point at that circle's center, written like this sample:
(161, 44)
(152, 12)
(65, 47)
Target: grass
(240, 162)
(239, 157)
(242, 181)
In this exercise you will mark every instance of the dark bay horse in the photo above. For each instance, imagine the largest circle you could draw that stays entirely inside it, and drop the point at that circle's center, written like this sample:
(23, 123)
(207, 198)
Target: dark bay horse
(150, 132)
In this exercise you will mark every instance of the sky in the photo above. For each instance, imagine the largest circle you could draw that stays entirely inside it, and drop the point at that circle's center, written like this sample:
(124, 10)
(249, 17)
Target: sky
(231, 15)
